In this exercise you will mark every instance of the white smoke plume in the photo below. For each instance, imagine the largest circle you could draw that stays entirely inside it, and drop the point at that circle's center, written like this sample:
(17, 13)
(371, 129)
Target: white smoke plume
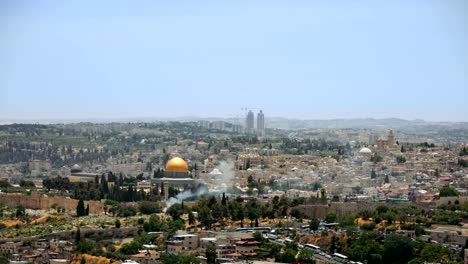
(226, 179)
(201, 190)
(221, 184)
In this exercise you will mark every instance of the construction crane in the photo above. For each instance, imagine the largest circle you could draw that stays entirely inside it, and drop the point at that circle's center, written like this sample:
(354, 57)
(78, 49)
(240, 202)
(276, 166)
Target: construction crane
(246, 109)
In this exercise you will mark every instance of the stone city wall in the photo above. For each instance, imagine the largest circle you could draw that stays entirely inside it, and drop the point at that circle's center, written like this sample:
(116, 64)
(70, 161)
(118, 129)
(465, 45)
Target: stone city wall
(41, 201)
(321, 210)
(452, 200)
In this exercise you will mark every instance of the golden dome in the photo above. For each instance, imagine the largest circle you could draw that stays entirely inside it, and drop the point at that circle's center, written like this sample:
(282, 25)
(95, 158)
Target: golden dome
(176, 165)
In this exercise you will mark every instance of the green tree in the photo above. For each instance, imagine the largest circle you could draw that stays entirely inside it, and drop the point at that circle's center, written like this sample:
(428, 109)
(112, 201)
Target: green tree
(381, 209)
(314, 224)
(85, 246)
(398, 249)
(148, 207)
(435, 253)
(130, 248)
(4, 260)
(464, 152)
(258, 236)
(296, 213)
(223, 200)
(78, 236)
(416, 261)
(20, 211)
(323, 194)
(288, 256)
(240, 215)
(448, 191)
(330, 217)
(205, 217)
(27, 184)
(175, 211)
(117, 223)
(306, 256)
(179, 259)
(373, 175)
(390, 217)
(365, 214)
(217, 211)
(80, 208)
(252, 210)
(400, 159)
(365, 247)
(376, 158)
(154, 224)
(275, 202)
(368, 226)
(191, 218)
(211, 255)
(348, 220)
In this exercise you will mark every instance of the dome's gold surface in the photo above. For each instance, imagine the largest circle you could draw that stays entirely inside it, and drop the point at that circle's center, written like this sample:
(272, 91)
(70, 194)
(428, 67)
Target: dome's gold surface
(176, 165)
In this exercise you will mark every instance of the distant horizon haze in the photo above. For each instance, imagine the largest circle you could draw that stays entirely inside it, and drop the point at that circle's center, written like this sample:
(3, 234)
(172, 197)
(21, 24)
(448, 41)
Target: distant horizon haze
(313, 59)
(237, 119)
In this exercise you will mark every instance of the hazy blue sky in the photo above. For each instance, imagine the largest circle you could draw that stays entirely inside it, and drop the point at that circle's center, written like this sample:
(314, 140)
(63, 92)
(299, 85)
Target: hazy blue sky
(306, 59)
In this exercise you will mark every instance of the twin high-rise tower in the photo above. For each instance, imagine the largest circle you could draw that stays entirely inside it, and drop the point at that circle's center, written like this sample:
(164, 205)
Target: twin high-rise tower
(260, 123)
(249, 122)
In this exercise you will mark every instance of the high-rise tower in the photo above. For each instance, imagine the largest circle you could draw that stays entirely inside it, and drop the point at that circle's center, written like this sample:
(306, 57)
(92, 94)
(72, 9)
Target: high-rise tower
(250, 121)
(261, 123)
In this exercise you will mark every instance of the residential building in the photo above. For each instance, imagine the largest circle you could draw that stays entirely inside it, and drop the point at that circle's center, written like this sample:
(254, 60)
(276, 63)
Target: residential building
(182, 242)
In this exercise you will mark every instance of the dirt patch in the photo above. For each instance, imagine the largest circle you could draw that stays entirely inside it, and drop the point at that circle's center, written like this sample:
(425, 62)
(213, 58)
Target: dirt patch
(91, 259)
(12, 222)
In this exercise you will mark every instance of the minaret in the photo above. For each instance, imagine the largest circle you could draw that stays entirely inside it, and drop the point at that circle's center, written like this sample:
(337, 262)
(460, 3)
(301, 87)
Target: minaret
(390, 138)
(166, 190)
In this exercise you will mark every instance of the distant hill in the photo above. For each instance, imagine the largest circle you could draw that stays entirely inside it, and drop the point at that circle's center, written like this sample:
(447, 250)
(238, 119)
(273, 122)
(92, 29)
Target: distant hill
(278, 122)
(348, 123)
(342, 123)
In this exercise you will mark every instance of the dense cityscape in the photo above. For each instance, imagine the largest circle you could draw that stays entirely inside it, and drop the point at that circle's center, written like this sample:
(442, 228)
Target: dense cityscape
(220, 192)
(233, 132)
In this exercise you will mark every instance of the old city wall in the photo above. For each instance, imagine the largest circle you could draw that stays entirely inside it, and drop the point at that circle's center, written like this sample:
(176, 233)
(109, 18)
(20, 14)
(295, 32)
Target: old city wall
(452, 200)
(40, 201)
(93, 233)
(321, 210)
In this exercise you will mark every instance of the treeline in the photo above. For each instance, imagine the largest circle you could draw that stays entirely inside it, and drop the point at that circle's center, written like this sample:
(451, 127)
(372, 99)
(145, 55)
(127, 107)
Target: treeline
(121, 189)
(295, 146)
(14, 151)
(108, 249)
(463, 151)
(376, 241)
(213, 211)
(373, 248)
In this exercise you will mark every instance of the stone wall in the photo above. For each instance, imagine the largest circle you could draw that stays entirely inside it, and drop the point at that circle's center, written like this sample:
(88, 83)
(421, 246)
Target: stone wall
(452, 200)
(321, 210)
(41, 201)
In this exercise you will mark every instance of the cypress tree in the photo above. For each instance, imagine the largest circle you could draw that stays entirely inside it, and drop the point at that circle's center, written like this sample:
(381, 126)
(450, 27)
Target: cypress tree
(223, 200)
(191, 218)
(78, 236)
(80, 208)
